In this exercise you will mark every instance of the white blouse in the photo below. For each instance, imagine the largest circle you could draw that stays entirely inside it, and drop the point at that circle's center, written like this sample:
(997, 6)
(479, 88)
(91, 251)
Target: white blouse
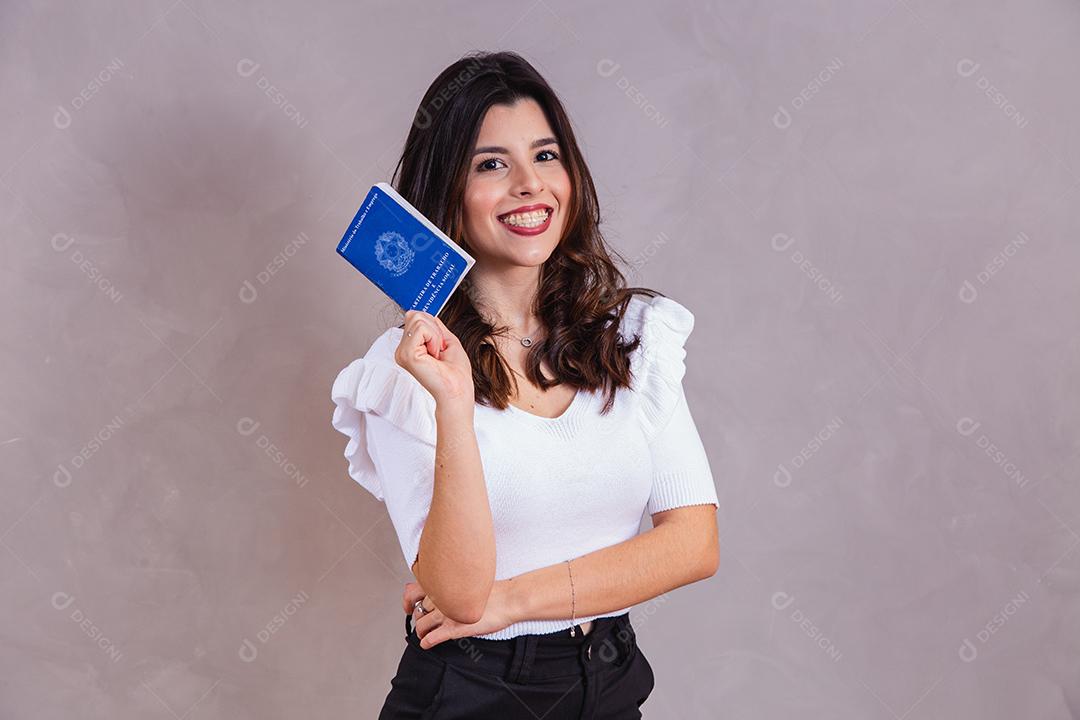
(558, 487)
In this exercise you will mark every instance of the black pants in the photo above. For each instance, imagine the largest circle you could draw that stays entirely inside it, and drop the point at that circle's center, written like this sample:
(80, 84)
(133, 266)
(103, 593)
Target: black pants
(599, 676)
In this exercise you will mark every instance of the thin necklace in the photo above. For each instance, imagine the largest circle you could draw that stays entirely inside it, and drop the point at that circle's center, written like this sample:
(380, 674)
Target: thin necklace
(525, 340)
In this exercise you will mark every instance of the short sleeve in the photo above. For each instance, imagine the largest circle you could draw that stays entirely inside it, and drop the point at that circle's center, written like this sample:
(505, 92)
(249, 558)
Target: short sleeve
(680, 467)
(681, 474)
(389, 420)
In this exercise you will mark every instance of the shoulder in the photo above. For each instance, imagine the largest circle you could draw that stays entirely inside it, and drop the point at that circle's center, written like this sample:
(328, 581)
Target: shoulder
(663, 324)
(659, 363)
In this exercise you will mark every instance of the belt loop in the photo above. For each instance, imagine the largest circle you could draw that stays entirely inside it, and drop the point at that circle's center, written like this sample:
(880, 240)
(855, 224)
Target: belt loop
(522, 661)
(530, 655)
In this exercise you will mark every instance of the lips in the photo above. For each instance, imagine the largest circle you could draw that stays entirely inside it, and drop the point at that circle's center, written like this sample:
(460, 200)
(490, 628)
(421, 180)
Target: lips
(528, 219)
(525, 209)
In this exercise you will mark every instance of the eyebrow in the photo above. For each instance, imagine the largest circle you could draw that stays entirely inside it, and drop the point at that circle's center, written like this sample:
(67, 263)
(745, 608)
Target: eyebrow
(496, 149)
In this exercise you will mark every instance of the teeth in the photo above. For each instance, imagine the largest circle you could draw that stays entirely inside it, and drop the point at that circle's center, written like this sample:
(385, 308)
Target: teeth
(530, 219)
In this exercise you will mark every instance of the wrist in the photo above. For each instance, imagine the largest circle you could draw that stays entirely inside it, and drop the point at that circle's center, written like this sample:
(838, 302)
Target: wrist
(517, 601)
(454, 409)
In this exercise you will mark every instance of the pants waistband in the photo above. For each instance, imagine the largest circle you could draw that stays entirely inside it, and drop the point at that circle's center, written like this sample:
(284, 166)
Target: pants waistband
(533, 657)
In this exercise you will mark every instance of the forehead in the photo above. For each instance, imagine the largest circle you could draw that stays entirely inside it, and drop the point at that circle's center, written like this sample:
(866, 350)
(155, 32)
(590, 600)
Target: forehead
(517, 124)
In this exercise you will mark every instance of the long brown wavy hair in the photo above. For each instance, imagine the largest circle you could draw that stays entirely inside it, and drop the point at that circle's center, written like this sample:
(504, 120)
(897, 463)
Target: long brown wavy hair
(582, 295)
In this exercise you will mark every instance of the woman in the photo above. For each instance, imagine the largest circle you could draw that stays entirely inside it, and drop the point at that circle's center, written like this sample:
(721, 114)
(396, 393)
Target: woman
(518, 438)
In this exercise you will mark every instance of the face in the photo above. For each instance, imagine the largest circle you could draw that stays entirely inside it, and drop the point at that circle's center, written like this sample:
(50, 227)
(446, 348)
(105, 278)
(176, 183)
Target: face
(517, 165)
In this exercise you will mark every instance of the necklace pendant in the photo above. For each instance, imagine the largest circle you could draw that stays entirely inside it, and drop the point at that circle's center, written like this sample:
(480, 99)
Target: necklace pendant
(526, 341)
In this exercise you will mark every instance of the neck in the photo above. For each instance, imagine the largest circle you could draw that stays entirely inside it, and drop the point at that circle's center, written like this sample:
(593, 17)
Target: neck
(506, 296)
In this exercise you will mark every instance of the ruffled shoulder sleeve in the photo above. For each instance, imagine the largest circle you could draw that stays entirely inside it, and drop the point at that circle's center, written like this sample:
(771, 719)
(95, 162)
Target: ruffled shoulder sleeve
(376, 384)
(659, 363)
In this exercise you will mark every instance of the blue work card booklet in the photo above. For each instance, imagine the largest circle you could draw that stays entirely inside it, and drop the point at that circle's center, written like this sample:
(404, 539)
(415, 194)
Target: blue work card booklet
(403, 253)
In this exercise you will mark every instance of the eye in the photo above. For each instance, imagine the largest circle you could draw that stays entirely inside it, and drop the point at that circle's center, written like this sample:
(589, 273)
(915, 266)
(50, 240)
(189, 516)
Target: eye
(485, 165)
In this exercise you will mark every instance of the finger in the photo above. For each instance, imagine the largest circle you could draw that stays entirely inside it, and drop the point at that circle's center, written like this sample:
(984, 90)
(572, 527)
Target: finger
(425, 603)
(434, 637)
(415, 321)
(444, 341)
(434, 338)
(427, 622)
(422, 332)
(413, 592)
(446, 334)
(420, 607)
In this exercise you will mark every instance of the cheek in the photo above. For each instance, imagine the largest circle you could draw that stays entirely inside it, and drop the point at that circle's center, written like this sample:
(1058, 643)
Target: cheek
(560, 186)
(479, 207)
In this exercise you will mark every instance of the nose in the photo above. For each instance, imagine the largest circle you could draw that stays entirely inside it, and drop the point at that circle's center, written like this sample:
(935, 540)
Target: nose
(526, 181)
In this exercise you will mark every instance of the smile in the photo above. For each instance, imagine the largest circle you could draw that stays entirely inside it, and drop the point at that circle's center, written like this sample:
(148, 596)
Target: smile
(533, 222)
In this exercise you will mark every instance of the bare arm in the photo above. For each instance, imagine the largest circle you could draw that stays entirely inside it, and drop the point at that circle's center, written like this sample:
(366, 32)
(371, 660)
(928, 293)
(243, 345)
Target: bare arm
(456, 554)
(682, 548)
(456, 561)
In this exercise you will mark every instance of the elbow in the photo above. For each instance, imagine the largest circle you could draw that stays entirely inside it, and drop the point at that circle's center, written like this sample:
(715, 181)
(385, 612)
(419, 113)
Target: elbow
(462, 601)
(710, 561)
(710, 551)
(467, 618)
(460, 594)
(466, 611)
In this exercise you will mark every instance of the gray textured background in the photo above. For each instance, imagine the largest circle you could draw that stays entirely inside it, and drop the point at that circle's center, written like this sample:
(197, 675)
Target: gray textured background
(871, 207)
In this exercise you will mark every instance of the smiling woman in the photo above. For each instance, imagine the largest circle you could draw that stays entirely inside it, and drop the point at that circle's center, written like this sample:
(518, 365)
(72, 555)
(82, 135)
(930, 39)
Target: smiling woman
(518, 438)
(517, 159)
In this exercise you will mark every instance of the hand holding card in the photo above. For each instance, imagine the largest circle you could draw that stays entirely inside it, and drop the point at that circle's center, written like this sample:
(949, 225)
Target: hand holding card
(434, 356)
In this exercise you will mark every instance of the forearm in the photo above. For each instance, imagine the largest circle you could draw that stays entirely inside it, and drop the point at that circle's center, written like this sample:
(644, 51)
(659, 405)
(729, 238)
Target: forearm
(619, 576)
(456, 562)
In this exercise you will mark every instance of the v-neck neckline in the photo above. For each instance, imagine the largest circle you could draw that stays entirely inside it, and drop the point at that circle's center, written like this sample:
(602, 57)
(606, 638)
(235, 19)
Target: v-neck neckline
(579, 397)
